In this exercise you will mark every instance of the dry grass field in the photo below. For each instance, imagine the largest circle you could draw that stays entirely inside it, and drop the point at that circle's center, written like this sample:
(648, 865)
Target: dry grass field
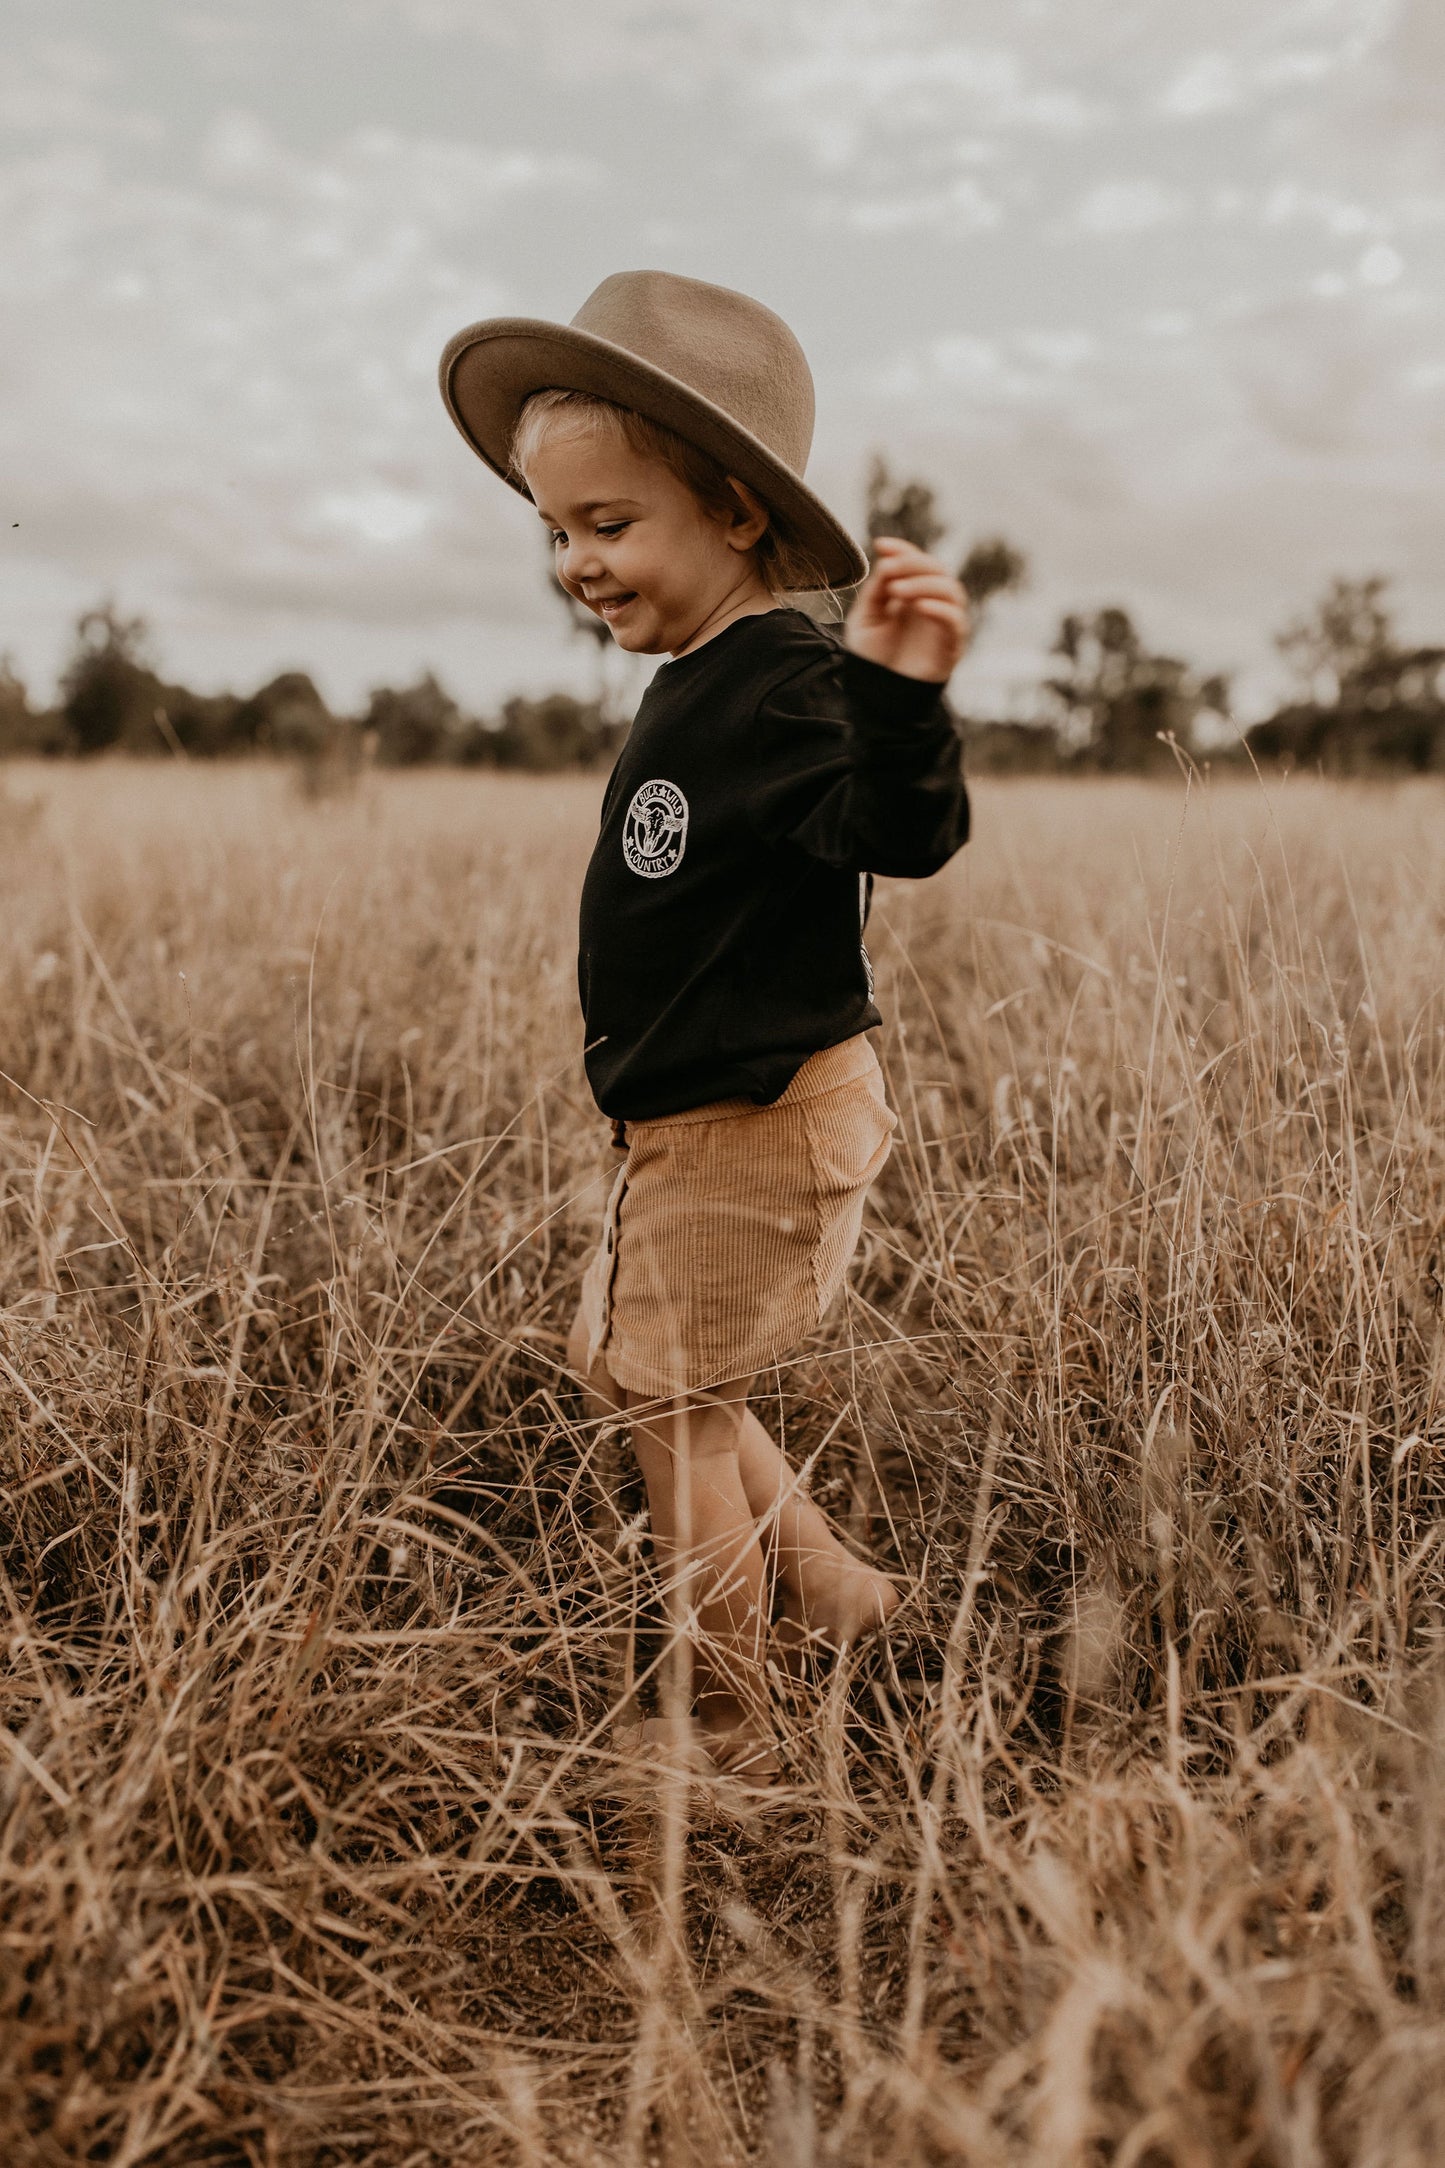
(318, 1585)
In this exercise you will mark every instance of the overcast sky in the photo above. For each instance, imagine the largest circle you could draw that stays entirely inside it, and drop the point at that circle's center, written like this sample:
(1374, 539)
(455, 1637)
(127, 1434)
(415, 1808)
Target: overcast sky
(1151, 286)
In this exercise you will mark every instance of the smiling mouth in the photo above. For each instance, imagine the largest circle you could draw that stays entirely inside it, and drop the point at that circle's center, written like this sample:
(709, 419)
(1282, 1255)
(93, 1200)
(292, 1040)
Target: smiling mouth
(610, 606)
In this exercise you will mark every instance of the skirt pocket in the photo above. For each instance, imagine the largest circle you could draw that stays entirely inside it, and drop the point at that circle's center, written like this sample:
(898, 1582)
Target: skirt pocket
(850, 1135)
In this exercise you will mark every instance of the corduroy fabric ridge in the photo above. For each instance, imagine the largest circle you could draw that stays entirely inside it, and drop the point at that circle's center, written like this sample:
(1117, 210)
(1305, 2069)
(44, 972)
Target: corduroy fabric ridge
(730, 1227)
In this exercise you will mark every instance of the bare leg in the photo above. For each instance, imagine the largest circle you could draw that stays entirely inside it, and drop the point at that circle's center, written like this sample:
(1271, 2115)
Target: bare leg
(597, 1385)
(826, 1590)
(706, 1535)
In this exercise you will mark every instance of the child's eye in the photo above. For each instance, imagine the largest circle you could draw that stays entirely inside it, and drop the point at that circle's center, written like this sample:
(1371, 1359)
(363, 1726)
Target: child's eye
(614, 526)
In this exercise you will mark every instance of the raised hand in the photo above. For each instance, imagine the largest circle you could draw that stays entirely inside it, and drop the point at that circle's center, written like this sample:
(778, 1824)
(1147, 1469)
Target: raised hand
(910, 614)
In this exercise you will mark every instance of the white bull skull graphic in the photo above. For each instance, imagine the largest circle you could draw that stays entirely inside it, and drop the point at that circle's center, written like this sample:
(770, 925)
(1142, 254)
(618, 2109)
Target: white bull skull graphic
(654, 834)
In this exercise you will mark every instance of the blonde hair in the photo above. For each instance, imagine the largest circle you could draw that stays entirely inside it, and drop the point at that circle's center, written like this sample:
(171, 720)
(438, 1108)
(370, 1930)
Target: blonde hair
(786, 566)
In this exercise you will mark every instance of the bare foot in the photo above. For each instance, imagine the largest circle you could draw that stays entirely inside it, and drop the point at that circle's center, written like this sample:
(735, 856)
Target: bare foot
(699, 1747)
(665, 1743)
(853, 1603)
(747, 1750)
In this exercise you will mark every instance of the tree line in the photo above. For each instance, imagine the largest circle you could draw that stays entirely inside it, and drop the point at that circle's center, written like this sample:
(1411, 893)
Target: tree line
(1363, 700)
(112, 699)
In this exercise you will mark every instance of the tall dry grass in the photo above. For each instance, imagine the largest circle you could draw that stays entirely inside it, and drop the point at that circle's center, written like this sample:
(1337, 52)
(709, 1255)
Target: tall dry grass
(318, 1583)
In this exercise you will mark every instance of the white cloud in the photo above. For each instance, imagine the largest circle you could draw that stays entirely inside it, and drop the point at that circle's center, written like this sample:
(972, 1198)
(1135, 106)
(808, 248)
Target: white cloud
(1381, 265)
(1207, 84)
(216, 33)
(843, 91)
(1291, 49)
(831, 75)
(961, 207)
(914, 372)
(58, 87)
(1127, 207)
(1289, 203)
(1059, 349)
(378, 514)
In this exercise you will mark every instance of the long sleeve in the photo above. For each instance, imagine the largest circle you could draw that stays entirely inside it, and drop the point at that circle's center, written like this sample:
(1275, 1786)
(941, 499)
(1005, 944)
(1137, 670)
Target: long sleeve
(859, 767)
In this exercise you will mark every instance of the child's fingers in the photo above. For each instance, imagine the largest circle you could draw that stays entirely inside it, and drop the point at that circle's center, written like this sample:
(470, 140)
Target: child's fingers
(901, 597)
(901, 564)
(942, 613)
(926, 583)
(904, 584)
(928, 600)
(896, 560)
(910, 583)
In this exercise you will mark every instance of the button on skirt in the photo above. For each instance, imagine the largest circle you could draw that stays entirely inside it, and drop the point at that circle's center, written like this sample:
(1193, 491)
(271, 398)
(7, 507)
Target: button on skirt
(730, 1227)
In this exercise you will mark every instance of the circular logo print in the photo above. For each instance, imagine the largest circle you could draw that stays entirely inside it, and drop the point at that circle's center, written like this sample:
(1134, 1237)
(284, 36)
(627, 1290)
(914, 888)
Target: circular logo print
(654, 833)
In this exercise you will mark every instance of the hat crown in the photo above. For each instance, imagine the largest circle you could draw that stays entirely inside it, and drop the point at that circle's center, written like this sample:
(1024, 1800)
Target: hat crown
(724, 345)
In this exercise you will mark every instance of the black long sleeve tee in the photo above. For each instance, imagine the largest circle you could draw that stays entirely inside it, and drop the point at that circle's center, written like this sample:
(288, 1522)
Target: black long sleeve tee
(768, 774)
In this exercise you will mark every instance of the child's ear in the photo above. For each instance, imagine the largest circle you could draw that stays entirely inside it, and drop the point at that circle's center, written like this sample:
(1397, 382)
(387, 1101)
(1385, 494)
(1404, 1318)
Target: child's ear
(748, 521)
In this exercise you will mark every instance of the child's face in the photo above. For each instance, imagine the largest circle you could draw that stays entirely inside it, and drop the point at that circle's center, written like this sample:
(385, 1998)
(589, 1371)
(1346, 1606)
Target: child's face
(635, 545)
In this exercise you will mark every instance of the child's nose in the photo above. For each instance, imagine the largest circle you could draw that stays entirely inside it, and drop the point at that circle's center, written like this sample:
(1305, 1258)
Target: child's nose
(580, 561)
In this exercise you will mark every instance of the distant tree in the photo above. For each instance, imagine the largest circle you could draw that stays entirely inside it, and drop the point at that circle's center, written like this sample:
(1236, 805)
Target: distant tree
(14, 699)
(475, 744)
(908, 509)
(1117, 700)
(554, 733)
(992, 567)
(188, 723)
(20, 727)
(287, 715)
(1000, 748)
(108, 691)
(418, 724)
(1364, 700)
(588, 626)
(1347, 635)
(580, 619)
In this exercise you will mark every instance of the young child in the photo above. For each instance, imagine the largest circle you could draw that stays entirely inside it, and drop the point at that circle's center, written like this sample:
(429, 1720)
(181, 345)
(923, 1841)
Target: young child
(726, 992)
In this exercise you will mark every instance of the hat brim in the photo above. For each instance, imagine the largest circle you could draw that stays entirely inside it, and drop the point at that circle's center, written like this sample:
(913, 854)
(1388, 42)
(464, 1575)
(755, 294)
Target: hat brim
(489, 371)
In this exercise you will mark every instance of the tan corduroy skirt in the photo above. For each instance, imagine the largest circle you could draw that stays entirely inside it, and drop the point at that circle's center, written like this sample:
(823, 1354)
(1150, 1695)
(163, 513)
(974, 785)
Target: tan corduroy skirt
(729, 1228)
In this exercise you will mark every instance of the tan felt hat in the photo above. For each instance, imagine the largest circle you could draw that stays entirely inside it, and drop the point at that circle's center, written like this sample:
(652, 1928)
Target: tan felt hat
(717, 367)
